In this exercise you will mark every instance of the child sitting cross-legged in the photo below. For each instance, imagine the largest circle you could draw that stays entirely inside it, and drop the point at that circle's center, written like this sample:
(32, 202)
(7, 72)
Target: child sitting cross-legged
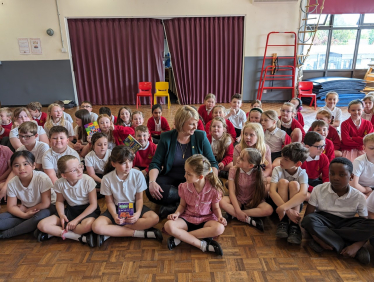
(288, 190)
(144, 156)
(78, 190)
(198, 217)
(330, 215)
(219, 111)
(123, 184)
(363, 168)
(247, 190)
(316, 164)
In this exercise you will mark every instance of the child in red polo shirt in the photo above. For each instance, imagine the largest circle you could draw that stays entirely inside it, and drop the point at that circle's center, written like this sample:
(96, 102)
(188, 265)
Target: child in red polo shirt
(157, 123)
(292, 127)
(332, 135)
(6, 122)
(35, 109)
(144, 155)
(220, 111)
(317, 163)
(322, 128)
(205, 110)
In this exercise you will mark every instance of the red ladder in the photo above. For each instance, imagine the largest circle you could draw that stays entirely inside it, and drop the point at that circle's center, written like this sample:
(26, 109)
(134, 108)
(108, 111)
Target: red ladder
(271, 77)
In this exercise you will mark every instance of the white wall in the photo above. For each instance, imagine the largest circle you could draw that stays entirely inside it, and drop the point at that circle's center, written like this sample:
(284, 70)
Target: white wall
(31, 19)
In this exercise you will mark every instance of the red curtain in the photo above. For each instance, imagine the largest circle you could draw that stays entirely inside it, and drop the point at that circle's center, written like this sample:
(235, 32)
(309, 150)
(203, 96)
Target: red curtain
(345, 6)
(111, 56)
(206, 56)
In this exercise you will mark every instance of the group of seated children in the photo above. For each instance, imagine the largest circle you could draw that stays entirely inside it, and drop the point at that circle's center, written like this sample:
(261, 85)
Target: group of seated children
(270, 162)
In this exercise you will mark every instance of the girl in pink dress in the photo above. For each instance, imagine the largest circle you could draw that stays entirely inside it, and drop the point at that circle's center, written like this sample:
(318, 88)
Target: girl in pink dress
(198, 218)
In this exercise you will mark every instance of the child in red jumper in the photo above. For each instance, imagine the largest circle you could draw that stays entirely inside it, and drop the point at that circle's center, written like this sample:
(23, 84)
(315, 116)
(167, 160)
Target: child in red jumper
(292, 127)
(219, 111)
(317, 163)
(332, 132)
(354, 130)
(321, 127)
(299, 106)
(35, 109)
(205, 111)
(6, 122)
(255, 115)
(137, 118)
(222, 145)
(254, 104)
(144, 155)
(157, 123)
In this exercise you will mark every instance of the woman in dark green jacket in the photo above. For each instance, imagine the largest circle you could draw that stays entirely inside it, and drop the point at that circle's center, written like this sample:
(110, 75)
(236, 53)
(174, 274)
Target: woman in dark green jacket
(166, 170)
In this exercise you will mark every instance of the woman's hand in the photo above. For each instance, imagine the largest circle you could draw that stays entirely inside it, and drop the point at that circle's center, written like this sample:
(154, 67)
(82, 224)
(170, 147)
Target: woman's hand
(155, 190)
(173, 216)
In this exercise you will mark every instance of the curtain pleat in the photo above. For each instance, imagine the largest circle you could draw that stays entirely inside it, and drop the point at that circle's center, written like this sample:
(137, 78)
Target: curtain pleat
(206, 56)
(111, 56)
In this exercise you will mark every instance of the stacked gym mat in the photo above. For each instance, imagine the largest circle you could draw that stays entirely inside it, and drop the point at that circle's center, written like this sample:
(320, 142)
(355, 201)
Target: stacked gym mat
(348, 89)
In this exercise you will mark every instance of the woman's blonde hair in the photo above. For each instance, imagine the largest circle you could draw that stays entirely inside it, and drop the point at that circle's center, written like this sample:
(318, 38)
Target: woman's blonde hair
(260, 144)
(183, 114)
(110, 134)
(253, 156)
(17, 112)
(49, 122)
(210, 96)
(224, 142)
(201, 166)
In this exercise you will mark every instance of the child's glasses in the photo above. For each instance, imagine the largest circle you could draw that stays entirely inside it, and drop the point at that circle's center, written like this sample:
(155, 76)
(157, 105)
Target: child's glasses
(76, 170)
(26, 137)
(286, 112)
(86, 107)
(319, 147)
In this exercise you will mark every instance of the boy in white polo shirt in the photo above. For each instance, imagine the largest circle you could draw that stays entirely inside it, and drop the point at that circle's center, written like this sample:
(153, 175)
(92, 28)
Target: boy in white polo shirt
(27, 133)
(59, 139)
(363, 168)
(236, 115)
(330, 215)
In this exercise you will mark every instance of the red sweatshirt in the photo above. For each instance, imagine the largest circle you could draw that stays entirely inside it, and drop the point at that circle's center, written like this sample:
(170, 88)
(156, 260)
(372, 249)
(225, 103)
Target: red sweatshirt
(150, 135)
(8, 126)
(332, 136)
(352, 138)
(300, 118)
(315, 168)
(120, 133)
(329, 150)
(152, 126)
(204, 114)
(296, 124)
(229, 125)
(144, 157)
(200, 125)
(41, 121)
(229, 154)
(5, 133)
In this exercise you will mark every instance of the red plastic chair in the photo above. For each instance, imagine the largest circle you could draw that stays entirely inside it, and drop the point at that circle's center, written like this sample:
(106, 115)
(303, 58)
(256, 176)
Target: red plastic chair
(305, 90)
(144, 91)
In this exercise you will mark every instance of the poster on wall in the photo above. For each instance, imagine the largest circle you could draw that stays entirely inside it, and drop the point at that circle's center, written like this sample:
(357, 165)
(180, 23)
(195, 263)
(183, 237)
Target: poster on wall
(36, 46)
(23, 45)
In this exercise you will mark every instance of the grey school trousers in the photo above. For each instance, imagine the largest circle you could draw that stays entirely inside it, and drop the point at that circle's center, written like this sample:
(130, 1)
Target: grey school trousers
(336, 231)
(11, 225)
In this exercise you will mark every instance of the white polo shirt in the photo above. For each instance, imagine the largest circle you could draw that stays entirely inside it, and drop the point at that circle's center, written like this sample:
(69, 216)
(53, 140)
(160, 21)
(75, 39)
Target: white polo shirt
(237, 120)
(50, 158)
(370, 203)
(346, 206)
(92, 160)
(68, 125)
(158, 125)
(94, 116)
(364, 170)
(279, 173)
(76, 195)
(68, 117)
(336, 113)
(123, 191)
(31, 195)
(38, 151)
(367, 116)
(14, 132)
(275, 139)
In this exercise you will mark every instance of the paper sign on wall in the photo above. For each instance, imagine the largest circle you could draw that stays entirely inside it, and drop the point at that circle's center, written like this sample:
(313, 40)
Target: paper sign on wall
(36, 46)
(24, 47)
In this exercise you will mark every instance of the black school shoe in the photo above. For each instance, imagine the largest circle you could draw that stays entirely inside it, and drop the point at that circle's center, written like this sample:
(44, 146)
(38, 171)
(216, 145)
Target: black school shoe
(171, 243)
(282, 230)
(215, 245)
(99, 240)
(40, 236)
(294, 234)
(363, 256)
(166, 210)
(257, 223)
(157, 233)
(90, 240)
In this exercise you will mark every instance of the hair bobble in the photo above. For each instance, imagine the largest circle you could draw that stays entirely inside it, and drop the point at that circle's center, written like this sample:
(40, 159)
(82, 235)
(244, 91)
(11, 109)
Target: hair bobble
(211, 170)
(260, 166)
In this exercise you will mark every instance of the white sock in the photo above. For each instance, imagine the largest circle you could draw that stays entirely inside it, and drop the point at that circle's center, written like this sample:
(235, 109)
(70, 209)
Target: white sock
(71, 235)
(177, 241)
(248, 220)
(84, 239)
(138, 234)
(106, 238)
(203, 245)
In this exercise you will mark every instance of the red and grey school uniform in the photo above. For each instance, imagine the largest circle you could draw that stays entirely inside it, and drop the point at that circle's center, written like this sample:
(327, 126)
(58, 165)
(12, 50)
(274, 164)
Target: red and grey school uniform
(290, 126)
(229, 127)
(352, 136)
(156, 128)
(144, 156)
(228, 157)
(205, 114)
(314, 168)
(41, 119)
(299, 117)
(329, 150)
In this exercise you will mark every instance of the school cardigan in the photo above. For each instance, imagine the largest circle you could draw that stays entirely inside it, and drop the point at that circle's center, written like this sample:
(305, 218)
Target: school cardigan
(333, 136)
(204, 114)
(4, 132)
(329, 150)
(120, 133)
(41, 121)
(150, 135)
(152, 125)
(144, 157)
(200, 125)
(315, 168)
(229, 154)
(164, 157)
(352, 138)
(296, 124)
(300, 118)
(229, 126)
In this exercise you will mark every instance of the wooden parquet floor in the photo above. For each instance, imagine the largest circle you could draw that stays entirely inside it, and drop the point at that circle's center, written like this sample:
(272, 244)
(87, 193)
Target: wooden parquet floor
(249, 255)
